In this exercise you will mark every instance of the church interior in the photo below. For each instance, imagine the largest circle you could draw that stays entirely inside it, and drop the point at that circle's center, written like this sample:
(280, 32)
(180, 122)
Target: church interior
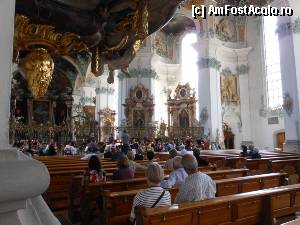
(119, 112)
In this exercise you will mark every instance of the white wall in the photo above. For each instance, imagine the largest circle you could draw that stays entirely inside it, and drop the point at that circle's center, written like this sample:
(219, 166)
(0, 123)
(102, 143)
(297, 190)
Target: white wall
(262, 133)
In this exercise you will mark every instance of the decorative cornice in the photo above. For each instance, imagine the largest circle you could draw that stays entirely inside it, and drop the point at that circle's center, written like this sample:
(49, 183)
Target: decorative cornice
(105, 90)
(142, 73)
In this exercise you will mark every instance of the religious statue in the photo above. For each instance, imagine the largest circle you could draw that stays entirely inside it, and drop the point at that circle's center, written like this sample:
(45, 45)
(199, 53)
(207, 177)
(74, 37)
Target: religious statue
(162, 129)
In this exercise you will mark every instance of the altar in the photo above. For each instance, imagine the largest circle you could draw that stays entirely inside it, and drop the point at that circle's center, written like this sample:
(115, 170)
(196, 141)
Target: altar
(182, 120)
(139, 109)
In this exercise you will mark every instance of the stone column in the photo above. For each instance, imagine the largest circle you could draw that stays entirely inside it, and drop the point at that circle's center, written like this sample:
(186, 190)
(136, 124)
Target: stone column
(7, 10)
(242, 67)
(289, 37)
(209, 97)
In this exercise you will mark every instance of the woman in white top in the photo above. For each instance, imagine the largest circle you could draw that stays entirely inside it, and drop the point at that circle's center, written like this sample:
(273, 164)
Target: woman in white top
(154, 196)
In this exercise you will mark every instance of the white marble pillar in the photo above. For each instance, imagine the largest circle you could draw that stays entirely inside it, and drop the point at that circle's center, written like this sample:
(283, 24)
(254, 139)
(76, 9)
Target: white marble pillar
(290, 72)
(209, 97)
(242, 59)
(22, 179)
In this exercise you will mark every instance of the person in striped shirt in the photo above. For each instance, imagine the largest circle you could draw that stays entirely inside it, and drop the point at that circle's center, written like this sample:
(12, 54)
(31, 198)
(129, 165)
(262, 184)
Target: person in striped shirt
(154, 196)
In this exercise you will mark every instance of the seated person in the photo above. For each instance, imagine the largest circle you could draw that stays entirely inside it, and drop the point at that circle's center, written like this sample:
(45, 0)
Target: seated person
(138, 151)
(244, 152)
(116, 152)
(150, 157)
(134, 166)
(94, 172)
(169, 163)
(154, 196)
(253, 153)
(201, 161)
(177, 177)
(182, 149)
(123, 172)
(197, 186)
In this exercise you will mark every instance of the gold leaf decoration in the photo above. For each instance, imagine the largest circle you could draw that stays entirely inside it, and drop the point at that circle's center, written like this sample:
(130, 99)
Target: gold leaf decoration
(28, 36)
(38, 67)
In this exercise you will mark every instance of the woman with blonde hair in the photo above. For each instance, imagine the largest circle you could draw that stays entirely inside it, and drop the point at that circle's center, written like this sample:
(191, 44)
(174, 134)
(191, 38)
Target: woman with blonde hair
(154, 196)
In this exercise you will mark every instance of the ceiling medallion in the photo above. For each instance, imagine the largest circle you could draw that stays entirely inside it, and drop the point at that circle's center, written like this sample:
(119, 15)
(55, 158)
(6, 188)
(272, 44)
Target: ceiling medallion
(29, 36)
(38, 67)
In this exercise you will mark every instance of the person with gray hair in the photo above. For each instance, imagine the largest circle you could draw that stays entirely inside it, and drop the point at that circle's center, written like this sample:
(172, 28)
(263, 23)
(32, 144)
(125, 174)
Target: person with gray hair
(154, 196)
(134, 166)
(169, 163)
(177, 177)
(197, 186)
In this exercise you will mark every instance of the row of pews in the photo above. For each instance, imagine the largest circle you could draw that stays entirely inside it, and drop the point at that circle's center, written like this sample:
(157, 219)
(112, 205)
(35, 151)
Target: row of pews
(248, 191)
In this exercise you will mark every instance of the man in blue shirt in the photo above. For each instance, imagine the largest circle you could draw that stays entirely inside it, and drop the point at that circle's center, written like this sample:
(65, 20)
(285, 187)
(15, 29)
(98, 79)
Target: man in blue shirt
(177, 177)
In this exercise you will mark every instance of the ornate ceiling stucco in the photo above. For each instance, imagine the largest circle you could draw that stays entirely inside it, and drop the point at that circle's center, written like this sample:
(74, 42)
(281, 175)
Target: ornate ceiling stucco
(112, 30)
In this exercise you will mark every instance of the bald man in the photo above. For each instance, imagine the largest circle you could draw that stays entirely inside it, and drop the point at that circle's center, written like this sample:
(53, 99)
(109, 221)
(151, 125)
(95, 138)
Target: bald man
(197, 186)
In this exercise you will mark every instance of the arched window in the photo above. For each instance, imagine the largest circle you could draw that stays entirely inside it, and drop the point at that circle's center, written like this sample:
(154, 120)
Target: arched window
(189, 61)
(272, 62)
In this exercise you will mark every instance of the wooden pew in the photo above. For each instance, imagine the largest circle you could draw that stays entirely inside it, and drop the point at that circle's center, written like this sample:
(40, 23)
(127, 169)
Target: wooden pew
(117, 205)
(257, 207)
(249, 183)
(279, 165)
(95, 190)
(293, 222)
(56, 195)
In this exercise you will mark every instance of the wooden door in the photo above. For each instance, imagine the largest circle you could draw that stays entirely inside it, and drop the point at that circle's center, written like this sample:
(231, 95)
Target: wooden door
(280, 139)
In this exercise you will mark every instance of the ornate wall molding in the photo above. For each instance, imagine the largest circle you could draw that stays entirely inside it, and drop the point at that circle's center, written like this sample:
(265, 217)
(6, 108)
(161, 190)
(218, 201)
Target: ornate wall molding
(209, 63)
(242, 69)
(288, 104)
(226, 71)
(289, 28)
(266, 111)
(105, 90)
(142, 73)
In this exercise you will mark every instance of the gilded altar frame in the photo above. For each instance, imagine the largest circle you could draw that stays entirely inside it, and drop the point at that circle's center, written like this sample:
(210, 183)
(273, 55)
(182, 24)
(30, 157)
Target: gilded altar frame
(182, 120)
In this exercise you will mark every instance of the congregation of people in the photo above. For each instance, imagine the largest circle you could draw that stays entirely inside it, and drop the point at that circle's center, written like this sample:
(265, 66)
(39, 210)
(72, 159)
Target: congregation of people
(184, 160)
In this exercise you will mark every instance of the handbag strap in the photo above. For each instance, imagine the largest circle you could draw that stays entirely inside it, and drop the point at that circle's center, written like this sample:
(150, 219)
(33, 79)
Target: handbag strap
(159, 198)
(154, 204)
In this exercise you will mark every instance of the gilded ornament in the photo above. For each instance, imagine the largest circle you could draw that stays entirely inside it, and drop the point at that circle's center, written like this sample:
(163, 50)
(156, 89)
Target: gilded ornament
(137, 45)
(188, 4)
(27, 36)
(38, 67)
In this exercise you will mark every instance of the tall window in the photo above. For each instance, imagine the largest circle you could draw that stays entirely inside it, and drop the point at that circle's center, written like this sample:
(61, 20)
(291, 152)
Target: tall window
(189, 60)
(272, 62)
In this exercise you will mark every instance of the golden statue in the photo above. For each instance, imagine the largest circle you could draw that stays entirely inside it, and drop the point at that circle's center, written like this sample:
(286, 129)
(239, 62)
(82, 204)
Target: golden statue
(38, 67)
